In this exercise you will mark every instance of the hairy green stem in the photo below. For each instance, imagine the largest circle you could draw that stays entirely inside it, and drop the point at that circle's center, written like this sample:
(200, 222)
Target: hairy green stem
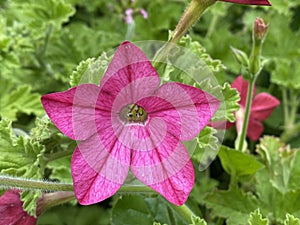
(63, 192)
(189, 18)
(247, 114)
(7, 182)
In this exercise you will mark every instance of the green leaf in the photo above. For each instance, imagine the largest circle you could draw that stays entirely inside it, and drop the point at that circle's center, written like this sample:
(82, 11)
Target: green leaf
(30, 200)
(90, 70)
(229, 98)
(203, 185)
(197, 221)
(285, 73)
(274, 203)
(291, 220)
(44, 12)
(257, 219)
(281, 162)
(214, 65)
(77, 74)
(237, 163)
(75, 215)
(207, 147)
(233, 205)
(61, 169)
(132, 210)
(19, 156)
(17, 100)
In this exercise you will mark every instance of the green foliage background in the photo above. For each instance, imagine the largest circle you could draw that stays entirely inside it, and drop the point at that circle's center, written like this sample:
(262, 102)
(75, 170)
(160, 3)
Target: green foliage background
(47, 45)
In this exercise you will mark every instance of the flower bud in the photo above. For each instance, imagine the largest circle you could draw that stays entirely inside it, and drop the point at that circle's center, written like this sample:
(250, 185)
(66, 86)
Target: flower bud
(240, 56)
(260, 29)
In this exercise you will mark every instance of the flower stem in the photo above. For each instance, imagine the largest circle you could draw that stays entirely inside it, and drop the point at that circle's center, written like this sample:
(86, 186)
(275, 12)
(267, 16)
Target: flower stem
(50, 200)
(184, 211)
(189, 18)
(247, 114)
(7, 182)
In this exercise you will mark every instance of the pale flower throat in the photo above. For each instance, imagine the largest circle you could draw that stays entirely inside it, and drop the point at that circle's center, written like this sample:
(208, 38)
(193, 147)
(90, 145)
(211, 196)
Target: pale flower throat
(133, 113)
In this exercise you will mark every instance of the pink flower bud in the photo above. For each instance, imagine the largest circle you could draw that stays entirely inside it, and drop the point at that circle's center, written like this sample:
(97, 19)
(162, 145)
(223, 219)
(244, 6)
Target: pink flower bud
(260, 28)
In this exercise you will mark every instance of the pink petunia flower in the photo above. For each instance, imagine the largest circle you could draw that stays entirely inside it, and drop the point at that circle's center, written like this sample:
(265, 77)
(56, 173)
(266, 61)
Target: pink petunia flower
(262, 106)
(249, 2)
(131, 122)
(11, 210)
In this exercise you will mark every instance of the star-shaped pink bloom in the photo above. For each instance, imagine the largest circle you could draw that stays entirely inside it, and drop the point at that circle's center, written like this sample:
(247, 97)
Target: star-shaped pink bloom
(131, 122)
(249, 2)
(262, 106)
(11, 210)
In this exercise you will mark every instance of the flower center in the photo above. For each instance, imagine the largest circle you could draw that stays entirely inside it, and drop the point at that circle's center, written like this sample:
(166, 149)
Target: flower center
(133, 113)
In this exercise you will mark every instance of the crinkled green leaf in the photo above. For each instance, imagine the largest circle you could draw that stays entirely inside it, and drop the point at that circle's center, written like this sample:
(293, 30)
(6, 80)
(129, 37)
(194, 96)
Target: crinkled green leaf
(44, 12)
(77, 74)
(90, 70)
(197, 221)
(228, 97)
(256, 218)
(286, 73)
(291, 220)
(132, 210)
(20, 99)
(207, 147)
(214, 65)
(30, 200)
(272, 202)
(22, 157)
(237, 163)
(280, 161)
(233, 205)
(19, 156)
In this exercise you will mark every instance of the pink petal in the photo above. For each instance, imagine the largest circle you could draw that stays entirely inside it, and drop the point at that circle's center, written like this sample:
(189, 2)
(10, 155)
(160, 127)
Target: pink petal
(263, 105)
(249, 2)
(194, 106)
(255, 129)
(132, 63)
(99, 172)
(74, 111)
(172, 177)
(131, 93)
(11, 210)
(242, 87)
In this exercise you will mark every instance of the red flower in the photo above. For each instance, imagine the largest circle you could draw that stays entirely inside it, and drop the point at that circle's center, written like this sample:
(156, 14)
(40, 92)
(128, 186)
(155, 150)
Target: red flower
(11, 210)
(262, 106)
(249, 2)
